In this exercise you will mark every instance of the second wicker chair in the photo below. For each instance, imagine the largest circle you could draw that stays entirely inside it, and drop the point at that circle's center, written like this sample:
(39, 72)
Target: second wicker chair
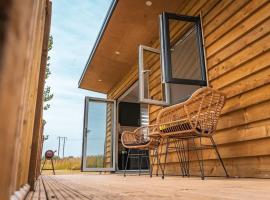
(146, 146)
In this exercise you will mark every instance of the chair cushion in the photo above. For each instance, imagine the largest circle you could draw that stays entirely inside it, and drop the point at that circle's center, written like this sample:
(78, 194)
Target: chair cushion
(175, 126)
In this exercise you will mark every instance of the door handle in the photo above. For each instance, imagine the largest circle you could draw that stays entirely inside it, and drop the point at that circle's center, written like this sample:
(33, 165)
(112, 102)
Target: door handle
(86, 132)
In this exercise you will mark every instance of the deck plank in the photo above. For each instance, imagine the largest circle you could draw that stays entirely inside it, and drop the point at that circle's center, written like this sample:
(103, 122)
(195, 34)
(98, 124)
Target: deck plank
(133, 187)
(39, 193)
(55, 189)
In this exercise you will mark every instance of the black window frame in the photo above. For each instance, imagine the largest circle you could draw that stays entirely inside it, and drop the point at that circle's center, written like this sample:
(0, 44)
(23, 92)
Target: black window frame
(165, 34)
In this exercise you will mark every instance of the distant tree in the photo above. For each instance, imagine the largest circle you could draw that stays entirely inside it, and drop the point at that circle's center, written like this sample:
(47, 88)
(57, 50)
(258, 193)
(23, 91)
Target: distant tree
(47, 95)
(46, 137)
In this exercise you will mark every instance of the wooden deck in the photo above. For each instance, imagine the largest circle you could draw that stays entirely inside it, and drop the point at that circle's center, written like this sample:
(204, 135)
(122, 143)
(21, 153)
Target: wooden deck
(116, 187)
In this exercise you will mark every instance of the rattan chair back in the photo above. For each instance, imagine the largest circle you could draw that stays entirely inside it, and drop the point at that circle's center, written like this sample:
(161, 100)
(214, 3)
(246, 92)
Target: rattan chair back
(199, 114)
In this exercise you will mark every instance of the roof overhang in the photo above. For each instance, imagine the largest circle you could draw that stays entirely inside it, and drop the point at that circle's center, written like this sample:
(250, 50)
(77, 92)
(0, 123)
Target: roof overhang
(128, 24)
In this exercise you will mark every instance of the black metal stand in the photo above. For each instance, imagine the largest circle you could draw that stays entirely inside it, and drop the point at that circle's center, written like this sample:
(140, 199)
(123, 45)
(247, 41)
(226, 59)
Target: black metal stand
(48, 168)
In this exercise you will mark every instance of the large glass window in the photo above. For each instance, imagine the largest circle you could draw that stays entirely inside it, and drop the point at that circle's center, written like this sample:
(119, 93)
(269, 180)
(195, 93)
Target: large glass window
(182, 50)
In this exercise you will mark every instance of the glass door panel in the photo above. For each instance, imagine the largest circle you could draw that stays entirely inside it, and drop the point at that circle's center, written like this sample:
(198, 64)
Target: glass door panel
(99, 129)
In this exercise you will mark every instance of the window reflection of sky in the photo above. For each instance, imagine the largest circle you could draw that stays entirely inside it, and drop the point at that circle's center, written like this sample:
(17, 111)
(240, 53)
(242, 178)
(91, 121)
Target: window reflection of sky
(96, 128)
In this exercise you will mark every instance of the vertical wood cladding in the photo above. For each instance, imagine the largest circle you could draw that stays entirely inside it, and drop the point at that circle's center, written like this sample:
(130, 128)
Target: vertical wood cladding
(20, 60)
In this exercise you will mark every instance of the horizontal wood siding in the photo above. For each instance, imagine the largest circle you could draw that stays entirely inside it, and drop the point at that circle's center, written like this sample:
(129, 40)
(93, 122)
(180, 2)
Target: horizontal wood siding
(236, 36)
(237, 46)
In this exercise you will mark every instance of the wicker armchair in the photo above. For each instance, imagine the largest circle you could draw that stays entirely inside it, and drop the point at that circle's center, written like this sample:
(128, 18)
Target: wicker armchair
(197, 117)
(145, 140)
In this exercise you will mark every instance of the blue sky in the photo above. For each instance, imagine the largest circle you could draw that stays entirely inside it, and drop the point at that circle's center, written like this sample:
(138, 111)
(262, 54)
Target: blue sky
(75, 26)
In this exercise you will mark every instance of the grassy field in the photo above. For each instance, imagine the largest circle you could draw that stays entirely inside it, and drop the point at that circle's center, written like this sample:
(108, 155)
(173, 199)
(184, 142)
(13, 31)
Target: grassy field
(74, 163)
(64, 164)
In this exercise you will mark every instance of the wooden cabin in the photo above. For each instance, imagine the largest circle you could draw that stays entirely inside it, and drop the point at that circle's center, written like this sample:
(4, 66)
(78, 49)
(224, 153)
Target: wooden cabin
(25, 27)
(153, 54)
(223, 44)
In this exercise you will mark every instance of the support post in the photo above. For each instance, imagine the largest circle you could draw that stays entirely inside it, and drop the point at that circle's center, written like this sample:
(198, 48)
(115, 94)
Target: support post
(36, 144)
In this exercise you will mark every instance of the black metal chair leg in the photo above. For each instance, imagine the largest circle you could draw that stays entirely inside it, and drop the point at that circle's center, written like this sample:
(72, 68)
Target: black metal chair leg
(158, 163)
(186, 161)
(199, 161)
(152, 161)
(140, 161)
(178, 153)
(165, 159)
(202, 161)
(183, 151)
(148, 161)
(158, 156)
(154, 158)
(219, 157)
(126, 163)
(188, 152)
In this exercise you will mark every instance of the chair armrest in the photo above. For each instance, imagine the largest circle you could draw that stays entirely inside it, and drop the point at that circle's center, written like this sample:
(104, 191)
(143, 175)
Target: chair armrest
(149, 129)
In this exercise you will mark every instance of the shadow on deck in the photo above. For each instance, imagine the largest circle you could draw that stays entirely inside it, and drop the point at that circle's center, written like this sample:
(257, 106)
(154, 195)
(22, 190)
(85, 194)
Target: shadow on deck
(101, 187)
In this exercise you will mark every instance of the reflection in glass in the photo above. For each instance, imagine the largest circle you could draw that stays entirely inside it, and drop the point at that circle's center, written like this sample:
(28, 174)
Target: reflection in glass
(185, 55)
(99, 133)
